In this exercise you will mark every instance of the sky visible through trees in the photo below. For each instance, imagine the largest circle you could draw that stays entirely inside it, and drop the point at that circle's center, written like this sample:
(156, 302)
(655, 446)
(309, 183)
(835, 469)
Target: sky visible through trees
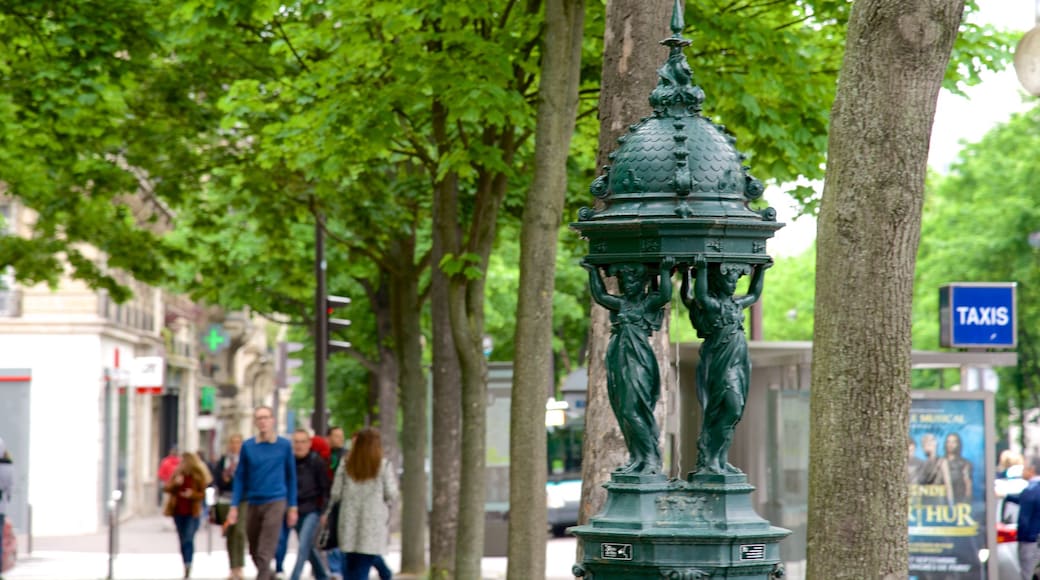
(957, 120)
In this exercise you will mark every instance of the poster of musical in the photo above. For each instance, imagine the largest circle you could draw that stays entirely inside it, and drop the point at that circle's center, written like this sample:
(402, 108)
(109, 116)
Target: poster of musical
(947, 478)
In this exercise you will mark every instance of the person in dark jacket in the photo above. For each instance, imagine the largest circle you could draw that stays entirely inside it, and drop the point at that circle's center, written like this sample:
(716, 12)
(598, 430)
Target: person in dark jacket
(1028, 522)
(312, 492)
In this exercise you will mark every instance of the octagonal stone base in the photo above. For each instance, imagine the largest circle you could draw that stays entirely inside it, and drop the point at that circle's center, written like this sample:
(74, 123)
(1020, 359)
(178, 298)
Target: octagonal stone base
(701, 528)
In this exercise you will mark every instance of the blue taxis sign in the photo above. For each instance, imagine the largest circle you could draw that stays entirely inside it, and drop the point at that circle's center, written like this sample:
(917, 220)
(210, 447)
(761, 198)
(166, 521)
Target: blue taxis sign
(977, 315)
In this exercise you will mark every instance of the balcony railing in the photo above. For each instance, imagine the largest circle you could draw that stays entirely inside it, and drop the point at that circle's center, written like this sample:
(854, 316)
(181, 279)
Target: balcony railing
(10, 303)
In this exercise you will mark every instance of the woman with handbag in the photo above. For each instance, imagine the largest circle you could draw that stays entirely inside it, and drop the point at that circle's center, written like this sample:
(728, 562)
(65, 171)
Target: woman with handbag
(365, 487)
(187, 490)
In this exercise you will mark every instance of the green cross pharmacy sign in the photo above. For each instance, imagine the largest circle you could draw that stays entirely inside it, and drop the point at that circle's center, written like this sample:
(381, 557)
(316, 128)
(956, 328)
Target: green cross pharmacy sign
(215, 339)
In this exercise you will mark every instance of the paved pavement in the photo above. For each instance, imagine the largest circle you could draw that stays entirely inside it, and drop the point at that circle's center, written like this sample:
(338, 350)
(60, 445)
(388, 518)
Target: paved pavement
(148, 550)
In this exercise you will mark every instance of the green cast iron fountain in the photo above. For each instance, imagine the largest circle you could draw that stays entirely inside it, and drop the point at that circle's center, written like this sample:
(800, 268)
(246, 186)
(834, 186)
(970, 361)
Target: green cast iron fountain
(676, 197)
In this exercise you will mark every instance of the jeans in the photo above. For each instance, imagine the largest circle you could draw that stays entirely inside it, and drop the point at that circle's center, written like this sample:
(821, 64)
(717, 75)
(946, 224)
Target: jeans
(382, 569)
(358, 565)
(283, 547)
(307, 532)
(186, 528)
(335, 558)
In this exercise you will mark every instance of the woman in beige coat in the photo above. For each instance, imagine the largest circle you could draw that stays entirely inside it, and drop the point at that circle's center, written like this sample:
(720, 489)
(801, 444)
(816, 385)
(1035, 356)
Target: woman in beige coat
(365, 486)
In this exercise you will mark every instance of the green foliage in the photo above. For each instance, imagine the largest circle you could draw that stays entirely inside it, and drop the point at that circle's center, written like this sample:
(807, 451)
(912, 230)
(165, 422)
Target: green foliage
(347, 387)
(788, 300)
(271, 111)
(70, 112)
(769, 70)
(570, 300)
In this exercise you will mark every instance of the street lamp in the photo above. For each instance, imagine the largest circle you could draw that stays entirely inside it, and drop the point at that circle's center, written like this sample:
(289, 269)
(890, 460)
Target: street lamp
(1027, 58)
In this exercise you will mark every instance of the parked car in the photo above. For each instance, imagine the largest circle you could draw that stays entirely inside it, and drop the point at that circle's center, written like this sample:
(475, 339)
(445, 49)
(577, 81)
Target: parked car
(1007, 540)
(562, 498)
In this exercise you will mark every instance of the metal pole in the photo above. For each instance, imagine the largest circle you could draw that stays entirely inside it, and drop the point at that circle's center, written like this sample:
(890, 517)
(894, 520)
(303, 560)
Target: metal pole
(281, 354)
(321, 328)
(107, 439)
(113, 525)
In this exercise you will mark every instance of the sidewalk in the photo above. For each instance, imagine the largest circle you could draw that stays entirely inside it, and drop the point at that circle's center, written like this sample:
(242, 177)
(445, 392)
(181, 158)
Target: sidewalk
(148, 550)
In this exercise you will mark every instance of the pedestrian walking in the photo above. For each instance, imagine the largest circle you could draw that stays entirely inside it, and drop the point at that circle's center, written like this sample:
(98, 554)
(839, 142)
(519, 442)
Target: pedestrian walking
(6, 487)
(1028, 521)
(187, 489)
(365, 486)
(266, 478)
(234, 535)
(312, 493)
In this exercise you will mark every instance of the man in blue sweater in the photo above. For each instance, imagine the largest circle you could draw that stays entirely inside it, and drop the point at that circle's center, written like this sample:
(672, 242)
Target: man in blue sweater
(266, 478)
(1028, 521)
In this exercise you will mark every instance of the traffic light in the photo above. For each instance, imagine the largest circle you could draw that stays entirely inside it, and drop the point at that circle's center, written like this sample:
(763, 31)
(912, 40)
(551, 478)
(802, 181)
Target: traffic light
(286, 364)
(331, 304)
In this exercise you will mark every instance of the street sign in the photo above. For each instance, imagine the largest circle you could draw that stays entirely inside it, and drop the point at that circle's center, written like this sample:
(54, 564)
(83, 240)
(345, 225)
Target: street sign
(147, 371)
(207, 398)
(977, 315)
(215, 339)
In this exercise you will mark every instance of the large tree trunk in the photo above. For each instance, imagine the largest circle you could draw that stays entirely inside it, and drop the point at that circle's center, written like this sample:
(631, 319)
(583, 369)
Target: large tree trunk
(631, 56)
(867, 237)
(447, 404)
(466, 306)
(473, 487)
(383, 409)
(408, 340)
(382, 382)
(532, 364)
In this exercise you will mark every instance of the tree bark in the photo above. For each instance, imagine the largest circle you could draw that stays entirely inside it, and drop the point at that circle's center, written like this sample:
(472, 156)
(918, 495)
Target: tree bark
(408, 340)
(383, 394)
(867, 237)
(532, 364)
(466, 306)
(446, 449)
(631, 56)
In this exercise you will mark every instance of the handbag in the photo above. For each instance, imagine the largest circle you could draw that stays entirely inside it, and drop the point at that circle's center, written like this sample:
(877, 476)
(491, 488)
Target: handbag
(218, 513)
(171, 504)
(329, 537)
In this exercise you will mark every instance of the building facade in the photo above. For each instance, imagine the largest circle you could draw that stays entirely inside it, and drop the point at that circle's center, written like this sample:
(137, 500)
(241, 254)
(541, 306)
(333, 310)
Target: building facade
(96, 412)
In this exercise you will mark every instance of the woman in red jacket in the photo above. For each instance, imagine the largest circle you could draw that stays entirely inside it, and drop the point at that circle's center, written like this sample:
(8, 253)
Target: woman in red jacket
(187, 489)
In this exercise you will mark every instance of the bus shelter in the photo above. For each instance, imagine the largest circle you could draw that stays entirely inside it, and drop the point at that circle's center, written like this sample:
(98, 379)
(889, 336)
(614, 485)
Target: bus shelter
(771, 443)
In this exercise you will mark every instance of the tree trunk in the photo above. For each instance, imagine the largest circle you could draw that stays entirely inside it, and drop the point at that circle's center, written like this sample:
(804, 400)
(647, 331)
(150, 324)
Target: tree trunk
(867, 237)
(408, 339)
(383, 409)
(532, 364)
(472, 488)
(631, 56)
(447, 403)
